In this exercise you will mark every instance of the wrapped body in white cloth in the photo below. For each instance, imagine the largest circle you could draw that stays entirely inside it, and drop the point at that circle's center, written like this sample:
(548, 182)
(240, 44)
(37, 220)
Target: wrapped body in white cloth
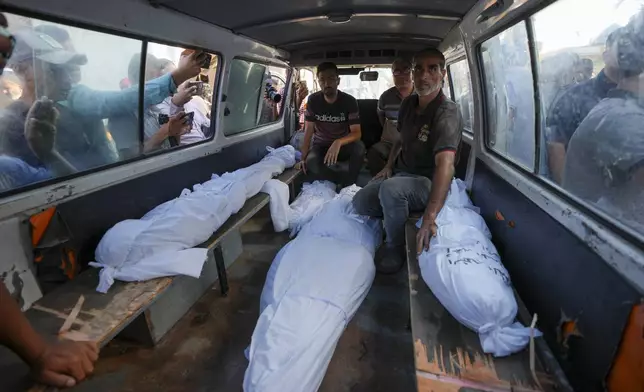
(464, 271)
(159, 244)
(314, 287)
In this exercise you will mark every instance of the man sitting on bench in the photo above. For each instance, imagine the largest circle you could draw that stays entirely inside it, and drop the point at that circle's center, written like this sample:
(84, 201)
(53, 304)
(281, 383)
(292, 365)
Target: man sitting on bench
(332, 119)
(430, 135)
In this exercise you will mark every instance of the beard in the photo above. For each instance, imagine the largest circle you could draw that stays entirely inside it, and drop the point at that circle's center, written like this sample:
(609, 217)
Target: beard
(426, 90)
(329, 92)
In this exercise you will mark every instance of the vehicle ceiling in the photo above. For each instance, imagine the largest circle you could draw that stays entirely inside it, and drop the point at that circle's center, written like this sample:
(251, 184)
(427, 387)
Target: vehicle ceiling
(299, 24)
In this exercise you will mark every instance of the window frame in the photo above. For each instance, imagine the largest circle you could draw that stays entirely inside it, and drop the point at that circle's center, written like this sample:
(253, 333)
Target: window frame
(468, 131)
(485, 118)
(593, 218)
(287, 88)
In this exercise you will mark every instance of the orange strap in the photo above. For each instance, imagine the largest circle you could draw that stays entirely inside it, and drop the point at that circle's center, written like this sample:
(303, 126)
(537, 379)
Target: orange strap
(627, 373)
(39, 223)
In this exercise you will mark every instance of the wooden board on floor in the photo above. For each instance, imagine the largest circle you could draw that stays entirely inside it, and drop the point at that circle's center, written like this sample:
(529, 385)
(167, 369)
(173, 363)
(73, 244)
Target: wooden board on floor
(102, 316)
(448, 355)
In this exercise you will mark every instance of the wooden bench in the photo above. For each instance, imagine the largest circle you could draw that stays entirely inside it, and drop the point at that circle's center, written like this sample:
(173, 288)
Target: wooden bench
(448, 355)
(250, 208)
(143, 311)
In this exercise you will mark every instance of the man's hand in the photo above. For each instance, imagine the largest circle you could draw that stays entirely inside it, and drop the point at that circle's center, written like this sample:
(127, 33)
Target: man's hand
(385, 173)
(40, 127)
(184, 94)
(178, 125)
(331, 157)
(425, 233)
(189, 67)
(301, 165)
(65, 363)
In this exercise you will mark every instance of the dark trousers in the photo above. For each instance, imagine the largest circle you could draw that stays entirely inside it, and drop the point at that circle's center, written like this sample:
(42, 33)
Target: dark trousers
(377, 156)
(352, 153)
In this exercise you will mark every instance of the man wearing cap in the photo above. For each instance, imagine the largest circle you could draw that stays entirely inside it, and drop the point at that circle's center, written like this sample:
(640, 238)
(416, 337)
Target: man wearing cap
(65, 363)
(388, 106)
(44, 68)
(605, 157)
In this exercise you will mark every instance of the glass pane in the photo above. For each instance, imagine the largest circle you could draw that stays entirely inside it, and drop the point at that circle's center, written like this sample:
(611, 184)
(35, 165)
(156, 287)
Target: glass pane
(65, 80)
(509, 95)
(589, 75)
(461, 82)
(183, 118)
(446, 90)
(254, 96)
(352, 85)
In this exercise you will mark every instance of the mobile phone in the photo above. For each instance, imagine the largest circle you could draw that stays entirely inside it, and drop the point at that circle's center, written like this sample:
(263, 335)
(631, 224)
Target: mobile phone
(163, 118)
(199, 86)
(205, 64)
(189, 117)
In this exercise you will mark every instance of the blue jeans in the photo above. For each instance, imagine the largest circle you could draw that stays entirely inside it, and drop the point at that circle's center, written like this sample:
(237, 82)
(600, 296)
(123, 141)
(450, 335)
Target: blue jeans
(393, 199)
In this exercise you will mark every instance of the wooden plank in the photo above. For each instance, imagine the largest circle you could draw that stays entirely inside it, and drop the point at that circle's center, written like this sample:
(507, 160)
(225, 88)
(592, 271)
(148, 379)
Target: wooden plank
(448, 355)
(102, 316)
(250, 208)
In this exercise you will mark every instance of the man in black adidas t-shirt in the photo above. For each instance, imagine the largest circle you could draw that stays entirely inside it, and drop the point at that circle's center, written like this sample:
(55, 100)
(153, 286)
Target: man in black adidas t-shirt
(333, 122)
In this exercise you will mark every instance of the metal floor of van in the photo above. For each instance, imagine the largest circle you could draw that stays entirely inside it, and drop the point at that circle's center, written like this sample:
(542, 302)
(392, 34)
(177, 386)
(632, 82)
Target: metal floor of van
(205, 349)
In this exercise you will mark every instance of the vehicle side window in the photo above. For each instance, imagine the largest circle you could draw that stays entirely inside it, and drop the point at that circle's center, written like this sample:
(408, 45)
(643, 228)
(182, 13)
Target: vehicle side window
(71, 101)
(307, 76)
(192, 100)
(509, 95)
(461, 83)
(252, 97)
(446, 90)
(63, 86)
(592, 107)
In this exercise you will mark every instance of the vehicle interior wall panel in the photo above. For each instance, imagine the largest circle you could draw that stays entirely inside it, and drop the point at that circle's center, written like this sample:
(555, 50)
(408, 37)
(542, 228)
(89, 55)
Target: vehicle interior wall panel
(89, 217)
(463, 159)
(373, 25)
(581, 302)
(253, 12)
(142, 19)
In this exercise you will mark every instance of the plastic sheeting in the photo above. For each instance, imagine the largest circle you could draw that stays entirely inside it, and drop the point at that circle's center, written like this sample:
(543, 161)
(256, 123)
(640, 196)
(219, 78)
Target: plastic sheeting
(159, 243)
(464, 271)
(280, 211)
(308, 203)
(314, 287)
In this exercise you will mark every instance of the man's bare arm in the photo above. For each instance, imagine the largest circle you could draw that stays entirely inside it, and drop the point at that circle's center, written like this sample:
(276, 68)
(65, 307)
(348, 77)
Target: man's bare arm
(309, 126)
(440, 183)
(355, 134)
(393, 154)
(556, 160)
(62, 364)
(15, 331)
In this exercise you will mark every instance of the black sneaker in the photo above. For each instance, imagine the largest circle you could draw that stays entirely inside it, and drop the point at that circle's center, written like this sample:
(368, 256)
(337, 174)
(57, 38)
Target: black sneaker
(389, 259)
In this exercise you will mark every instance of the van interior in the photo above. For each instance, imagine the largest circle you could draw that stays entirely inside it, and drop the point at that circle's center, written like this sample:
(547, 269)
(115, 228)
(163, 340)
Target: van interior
(578, 269)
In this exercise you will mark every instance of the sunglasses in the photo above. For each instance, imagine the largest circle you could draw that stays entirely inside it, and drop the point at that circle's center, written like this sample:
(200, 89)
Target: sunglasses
(401, 72)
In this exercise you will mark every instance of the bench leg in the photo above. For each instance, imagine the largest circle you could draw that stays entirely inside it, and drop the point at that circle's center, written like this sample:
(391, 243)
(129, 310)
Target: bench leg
(221, 270)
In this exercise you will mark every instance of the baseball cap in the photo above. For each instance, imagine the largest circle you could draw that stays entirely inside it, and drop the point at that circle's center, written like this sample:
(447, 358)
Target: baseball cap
(34, 44)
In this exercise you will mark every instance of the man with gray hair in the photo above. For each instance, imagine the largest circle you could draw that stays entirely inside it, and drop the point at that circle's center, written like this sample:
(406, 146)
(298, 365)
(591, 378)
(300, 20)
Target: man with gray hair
(388, 106)
(421, 163)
